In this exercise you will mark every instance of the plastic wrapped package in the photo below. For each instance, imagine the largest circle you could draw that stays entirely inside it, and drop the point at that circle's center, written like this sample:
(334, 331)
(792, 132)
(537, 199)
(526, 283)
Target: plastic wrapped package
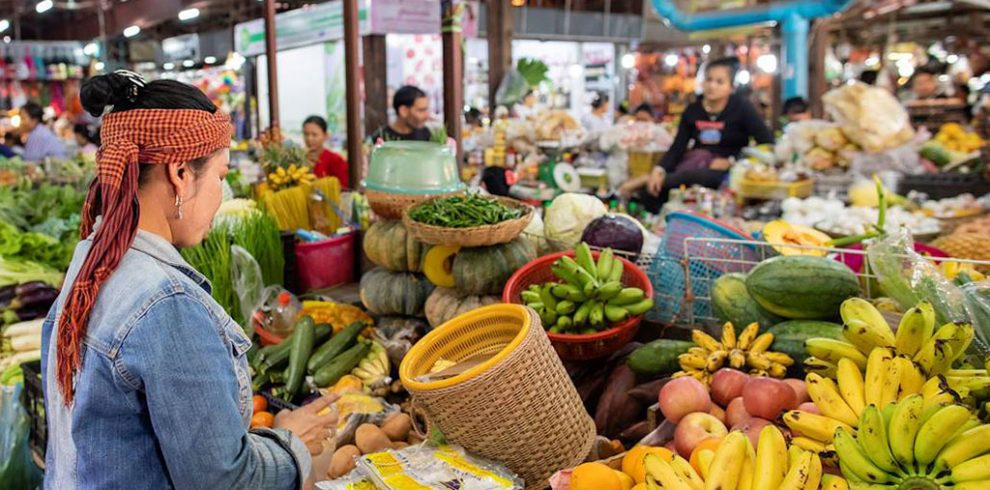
(869, 116)
(245, 273)
(976, 295)
(426, 466)
(354, 409)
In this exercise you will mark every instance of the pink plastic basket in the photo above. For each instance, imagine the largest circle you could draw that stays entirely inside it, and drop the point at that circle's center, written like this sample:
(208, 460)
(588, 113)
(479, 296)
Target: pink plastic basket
(325, 263)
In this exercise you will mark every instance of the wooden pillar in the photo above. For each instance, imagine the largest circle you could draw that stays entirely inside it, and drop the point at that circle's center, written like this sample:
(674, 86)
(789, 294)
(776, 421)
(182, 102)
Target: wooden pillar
(498, 27)
(373, 63)
(270, 54)
(453, 71)
(355, 135)
(817, 86)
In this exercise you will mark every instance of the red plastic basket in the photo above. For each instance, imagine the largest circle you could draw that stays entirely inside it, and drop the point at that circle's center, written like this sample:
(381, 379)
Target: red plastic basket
(325, 263)
(578, 347)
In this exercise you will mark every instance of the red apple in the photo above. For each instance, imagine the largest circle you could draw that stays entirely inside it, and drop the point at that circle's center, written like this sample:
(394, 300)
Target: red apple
(736, 412)
(767, 397)
(682, 396)
(752, 428)
(799, 389)
(728, 383)
(809, 407)
(694, 428)
(717, 412)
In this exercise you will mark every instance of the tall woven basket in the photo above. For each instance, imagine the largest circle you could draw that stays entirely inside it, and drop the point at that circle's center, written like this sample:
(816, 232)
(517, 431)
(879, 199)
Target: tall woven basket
(519, 407)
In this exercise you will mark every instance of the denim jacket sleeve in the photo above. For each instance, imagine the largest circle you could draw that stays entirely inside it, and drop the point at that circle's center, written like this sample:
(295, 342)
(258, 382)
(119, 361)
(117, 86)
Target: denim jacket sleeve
(177, 355)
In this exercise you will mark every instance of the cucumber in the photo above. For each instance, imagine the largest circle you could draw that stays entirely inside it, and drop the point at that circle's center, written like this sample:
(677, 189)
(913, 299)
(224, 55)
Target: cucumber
(333, 347)
(340, 365)
(658, 358)
(321, 333)
(302, 347)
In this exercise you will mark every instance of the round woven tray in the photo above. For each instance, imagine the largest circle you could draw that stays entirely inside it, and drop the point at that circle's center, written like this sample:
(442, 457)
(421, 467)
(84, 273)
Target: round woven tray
(521, 409)
(476, 236)
(389, 205)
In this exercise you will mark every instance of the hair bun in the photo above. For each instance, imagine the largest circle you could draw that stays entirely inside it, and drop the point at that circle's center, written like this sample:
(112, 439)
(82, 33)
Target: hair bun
(101, 93)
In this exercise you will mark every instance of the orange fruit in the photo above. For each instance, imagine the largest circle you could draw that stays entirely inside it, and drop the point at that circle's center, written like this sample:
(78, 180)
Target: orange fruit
(624, 479)
(594, 476)
(710, 444)
(260, 403)
(632, 462)
(262, 419)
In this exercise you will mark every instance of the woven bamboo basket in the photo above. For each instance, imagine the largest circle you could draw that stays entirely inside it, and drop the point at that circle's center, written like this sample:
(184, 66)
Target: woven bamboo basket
(390, 205)
(519, 407)
(476, 236)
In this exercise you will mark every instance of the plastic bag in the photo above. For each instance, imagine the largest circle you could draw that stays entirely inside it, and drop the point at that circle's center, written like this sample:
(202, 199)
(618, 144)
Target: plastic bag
(429, 466)
(977, 303)
(17, 468)
(245, 274)
(354, 409)
(908, 278)
(512, 89)
(869, 116)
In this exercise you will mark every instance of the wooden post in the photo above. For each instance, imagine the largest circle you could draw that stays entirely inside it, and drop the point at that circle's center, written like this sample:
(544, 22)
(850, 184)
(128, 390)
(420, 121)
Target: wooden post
(270, 54)
(453, 71)
(355, 135)
(499, 31)
(373, 64)
(817, 86)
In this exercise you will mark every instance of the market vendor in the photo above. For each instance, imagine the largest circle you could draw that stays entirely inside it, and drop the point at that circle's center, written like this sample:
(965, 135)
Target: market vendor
(325, 163)
(717, 126)
(527, 107)
(87, 139)
(41, 141)
(412, 110)
(597, 121)
(145, 375)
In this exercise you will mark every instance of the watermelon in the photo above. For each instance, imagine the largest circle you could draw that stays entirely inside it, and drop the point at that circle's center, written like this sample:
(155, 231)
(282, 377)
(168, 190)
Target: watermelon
(789, 336)
(801, 286)
(732, 303)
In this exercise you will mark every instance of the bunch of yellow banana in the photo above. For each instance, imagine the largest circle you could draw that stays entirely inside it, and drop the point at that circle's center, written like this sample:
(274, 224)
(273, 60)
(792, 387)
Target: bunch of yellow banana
(374, 369)
(746, 352)
(736, 465)
(913, 445)
(887, 379)
(864, 327)
(287, 177)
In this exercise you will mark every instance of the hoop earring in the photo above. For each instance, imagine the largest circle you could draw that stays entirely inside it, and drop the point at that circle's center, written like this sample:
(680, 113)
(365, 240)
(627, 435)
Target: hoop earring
(178, 205)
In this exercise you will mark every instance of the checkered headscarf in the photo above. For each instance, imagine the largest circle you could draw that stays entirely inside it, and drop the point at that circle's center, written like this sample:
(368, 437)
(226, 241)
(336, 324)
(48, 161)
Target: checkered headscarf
(148, 136)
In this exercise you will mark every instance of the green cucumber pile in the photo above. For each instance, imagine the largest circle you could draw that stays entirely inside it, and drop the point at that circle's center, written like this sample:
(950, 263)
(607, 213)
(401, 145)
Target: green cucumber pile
(589, 297)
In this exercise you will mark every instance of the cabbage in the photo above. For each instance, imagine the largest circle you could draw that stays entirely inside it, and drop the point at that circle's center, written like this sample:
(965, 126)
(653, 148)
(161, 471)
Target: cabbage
(567, 217)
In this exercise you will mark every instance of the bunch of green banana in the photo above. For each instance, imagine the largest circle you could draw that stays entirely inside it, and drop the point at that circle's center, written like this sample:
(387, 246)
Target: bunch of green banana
(932, 350)
(914, 445)
(374, 369)
(589, 296)
(745, 352)
(772, 465)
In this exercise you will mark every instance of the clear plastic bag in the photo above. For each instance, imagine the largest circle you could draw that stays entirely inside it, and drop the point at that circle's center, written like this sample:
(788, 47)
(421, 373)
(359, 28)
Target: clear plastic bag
(512, 89)
(977, 304)
(869, 116)
(245, 274)
(17, 468)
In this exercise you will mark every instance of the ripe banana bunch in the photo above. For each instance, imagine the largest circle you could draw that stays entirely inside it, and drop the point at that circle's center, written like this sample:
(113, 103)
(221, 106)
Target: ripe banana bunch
(772, 465)
(913, 445)
(294, 174)
(375, 368)
(864, 327)
(887, 379)
(745, 352)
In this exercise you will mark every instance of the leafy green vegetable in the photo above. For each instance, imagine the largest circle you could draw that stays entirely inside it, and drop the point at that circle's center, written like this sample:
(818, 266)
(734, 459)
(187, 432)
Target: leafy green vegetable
(212, 259)
(533, 71)
(14, 271)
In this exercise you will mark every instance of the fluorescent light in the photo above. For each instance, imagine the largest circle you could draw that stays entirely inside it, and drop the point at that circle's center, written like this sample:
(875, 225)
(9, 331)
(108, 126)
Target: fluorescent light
(99, 66)
(189, 14)
(188, 63)
(706, 49)
(44, 6)
(4, 24)
(132, 31)
(628, 61)
(209, 60)
(767, 63)
(6, 39)
(670, 60)
(168, 66)
(743, 77)
(90, 49)
(952, 58)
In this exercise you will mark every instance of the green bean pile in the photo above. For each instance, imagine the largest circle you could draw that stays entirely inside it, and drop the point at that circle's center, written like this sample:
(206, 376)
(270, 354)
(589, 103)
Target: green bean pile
(463, 212)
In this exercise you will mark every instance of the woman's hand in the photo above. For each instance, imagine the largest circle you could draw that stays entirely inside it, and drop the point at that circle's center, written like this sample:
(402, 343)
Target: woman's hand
(307, 424)
(656, 180)
(629, 187)
(720, 164)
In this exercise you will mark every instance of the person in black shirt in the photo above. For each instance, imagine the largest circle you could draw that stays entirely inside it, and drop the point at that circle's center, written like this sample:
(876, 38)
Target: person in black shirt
(412, 110)
(719, 124)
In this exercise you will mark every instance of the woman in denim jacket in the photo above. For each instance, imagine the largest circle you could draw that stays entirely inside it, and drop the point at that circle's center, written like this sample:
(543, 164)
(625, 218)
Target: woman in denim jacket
(146, 381)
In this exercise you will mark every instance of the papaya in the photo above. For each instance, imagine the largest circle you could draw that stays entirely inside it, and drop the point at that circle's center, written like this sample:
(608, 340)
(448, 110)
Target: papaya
(802, 287)
(780, 234)
(789, 336)
(731, 303)
(658, 358)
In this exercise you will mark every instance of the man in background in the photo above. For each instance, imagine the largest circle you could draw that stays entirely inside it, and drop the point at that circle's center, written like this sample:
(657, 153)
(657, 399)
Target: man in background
(412, 110)
(41, 141)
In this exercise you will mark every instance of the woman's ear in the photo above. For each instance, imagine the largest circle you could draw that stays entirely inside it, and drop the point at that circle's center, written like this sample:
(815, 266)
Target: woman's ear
(180, 177)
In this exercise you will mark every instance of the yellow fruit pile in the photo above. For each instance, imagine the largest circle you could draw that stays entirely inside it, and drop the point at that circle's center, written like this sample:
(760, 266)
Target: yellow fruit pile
(747, 352)
(281, 177)
(954, 137)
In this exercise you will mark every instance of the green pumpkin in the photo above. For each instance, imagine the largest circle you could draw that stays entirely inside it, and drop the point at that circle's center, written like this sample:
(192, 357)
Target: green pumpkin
(485, 270)
(386, 243)
(384, 292)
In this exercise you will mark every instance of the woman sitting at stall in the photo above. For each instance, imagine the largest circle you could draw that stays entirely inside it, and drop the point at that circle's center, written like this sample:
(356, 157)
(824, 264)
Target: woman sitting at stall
(718, 125)
(325, 163)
